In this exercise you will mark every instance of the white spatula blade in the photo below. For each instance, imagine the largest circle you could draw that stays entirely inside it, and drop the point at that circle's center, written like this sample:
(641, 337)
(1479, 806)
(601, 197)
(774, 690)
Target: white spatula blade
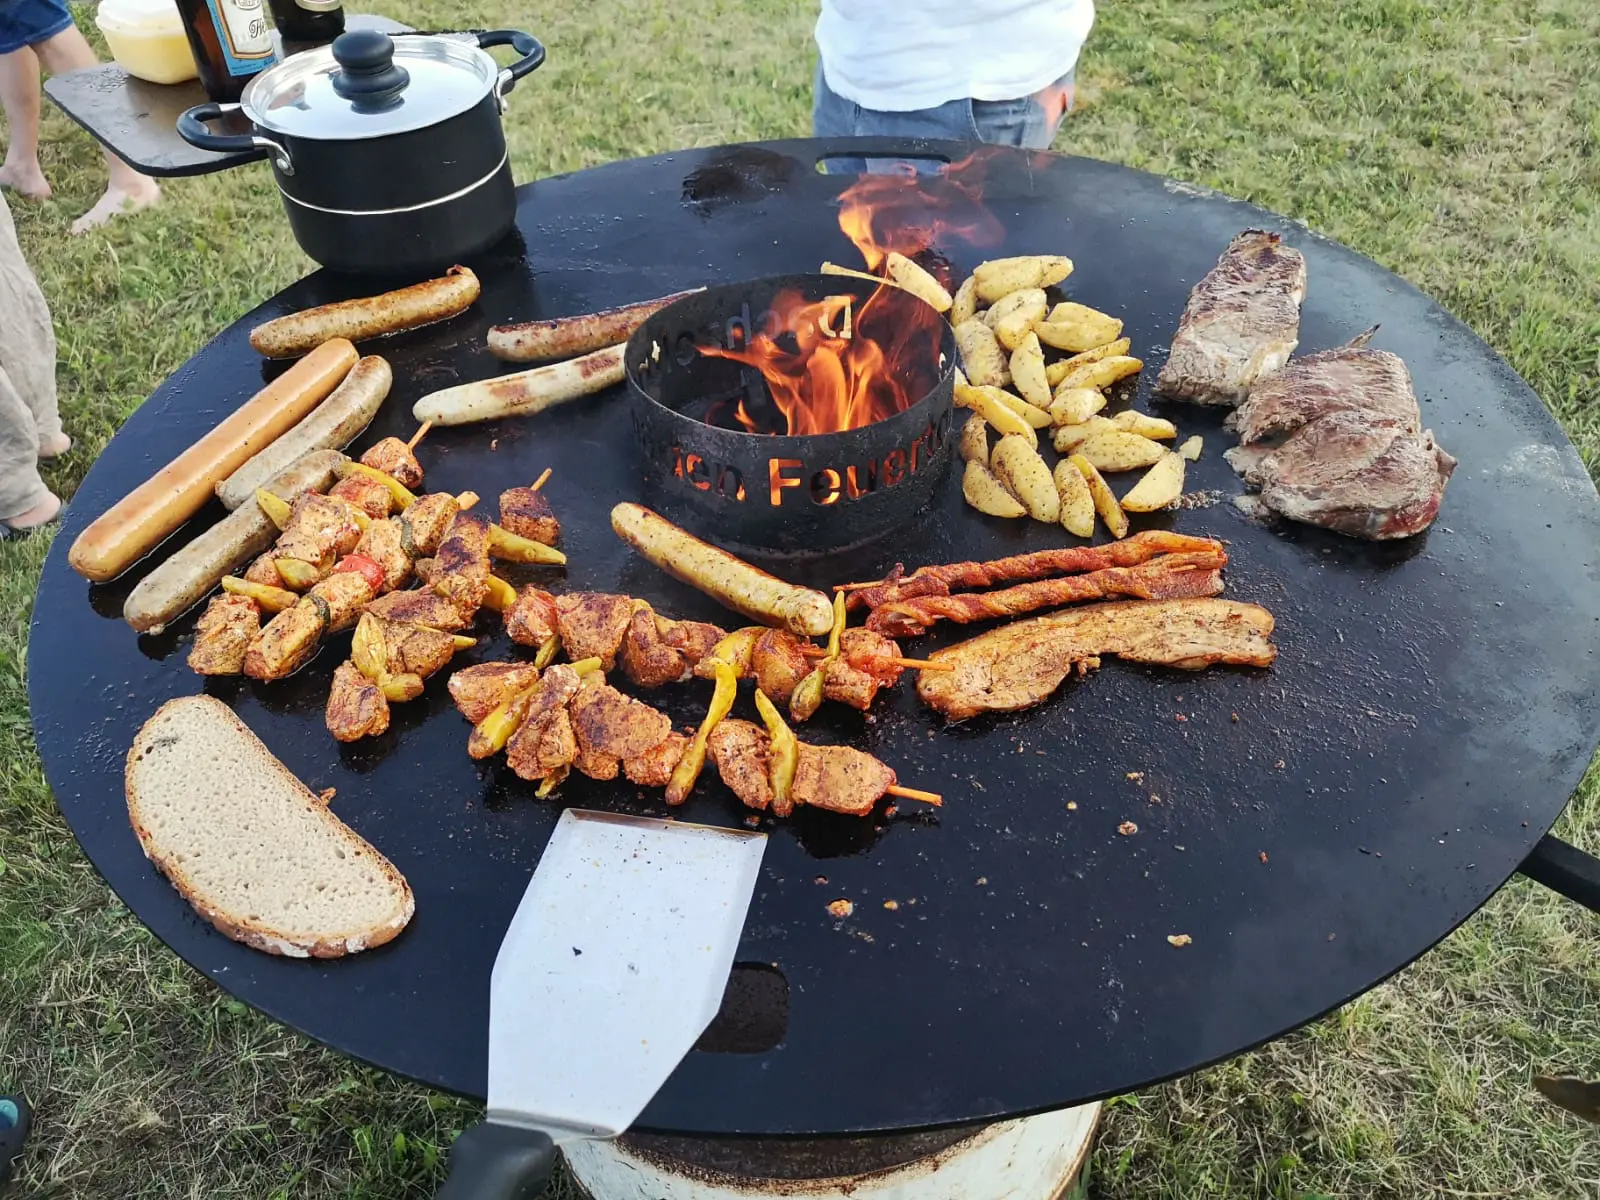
(614, 965)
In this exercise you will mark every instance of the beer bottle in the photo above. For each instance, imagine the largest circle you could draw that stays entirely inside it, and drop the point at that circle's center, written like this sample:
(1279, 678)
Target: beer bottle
(231, 42)
(303, 24)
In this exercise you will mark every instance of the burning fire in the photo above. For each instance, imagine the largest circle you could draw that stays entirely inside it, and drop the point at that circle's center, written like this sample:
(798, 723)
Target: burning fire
(839, 363)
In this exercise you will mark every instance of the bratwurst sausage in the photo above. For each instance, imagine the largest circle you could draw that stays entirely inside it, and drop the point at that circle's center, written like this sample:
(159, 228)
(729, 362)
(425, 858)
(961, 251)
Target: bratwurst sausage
(369, 317)
(138, 522)
(185, 579)
(563, 337)
(728, 580)
(523, 393)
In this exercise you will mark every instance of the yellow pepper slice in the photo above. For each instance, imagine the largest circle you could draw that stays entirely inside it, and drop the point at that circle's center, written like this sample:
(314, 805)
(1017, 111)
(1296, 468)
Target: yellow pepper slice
(271, 599)
(689, 766)
(785, 755)
(297, 574)
(277, 511)
(516, 548)
(403, 496)
(738, 649)
(807, 697)
(548, 649)
(501, 594)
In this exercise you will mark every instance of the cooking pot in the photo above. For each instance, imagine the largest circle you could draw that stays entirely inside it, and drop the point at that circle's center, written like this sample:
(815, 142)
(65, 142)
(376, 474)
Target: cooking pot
(388, 151)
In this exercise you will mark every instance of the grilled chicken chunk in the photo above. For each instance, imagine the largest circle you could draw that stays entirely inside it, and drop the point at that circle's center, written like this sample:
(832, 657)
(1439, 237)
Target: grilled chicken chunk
(223, 635)
(839, 778)
(593, 624)
(544, 745)
(864, 665)
(395, 459)
(779, 664)
(263, 570)
(320, 529)
(366, 493)
(532, 620)
(424, 525)
(1241, 323)
(291, 637)
(743, 758)
(1020, 664)
(461, 564)
(384, 545)
(421, 606)
(411, 649)
(479, 690)
(656, 651)
(356, 706)
(654, 767)
(527, 513)
(612, 727)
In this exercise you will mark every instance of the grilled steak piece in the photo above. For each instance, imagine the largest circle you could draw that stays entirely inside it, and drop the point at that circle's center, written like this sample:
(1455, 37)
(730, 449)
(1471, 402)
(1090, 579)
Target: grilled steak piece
(1242, 322)
(1349, 378)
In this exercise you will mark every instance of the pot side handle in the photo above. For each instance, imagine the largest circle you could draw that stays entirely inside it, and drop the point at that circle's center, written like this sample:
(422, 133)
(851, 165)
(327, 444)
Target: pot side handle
(525, 44)
(192, 129)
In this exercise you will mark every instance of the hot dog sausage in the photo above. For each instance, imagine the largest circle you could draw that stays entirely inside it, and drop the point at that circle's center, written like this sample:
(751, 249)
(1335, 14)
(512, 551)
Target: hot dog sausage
(531, 341)
(189, 575)
(138, 522)
(333, 425)
(369, 317)
(525, 392)
(726, 579)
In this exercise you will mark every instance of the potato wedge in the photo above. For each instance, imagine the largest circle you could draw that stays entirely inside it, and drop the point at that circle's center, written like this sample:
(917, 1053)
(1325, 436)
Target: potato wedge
(987, 403)
(1074, 406)
(1191, 448)
(964, 304)
(1104, 373)
(1018, 466)
(1068, 438)
(987, 494)
(973, 444)
(1113, 450)
(1160, 487)
(1145, 425)
(1037, 418)
(1027, 372)
(981, 356)
(1105, 500)
(912, 278)
(1058, 371)
(1077, 505)
(1029, 301)
(1077, 327)
(1001, 276)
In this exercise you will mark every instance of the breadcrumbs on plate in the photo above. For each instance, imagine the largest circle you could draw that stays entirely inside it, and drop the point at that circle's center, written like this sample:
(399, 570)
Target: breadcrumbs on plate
(1127, 829)
(1178, 939)
(840, 909)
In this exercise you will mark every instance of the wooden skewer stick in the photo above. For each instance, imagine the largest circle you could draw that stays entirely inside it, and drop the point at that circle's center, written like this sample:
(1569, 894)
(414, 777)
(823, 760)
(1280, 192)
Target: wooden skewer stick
(906, 793)
(419, 435)
(540, 482)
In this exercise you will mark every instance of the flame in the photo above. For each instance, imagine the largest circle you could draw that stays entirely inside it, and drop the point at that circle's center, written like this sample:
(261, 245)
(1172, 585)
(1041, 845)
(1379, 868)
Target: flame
(911, 213)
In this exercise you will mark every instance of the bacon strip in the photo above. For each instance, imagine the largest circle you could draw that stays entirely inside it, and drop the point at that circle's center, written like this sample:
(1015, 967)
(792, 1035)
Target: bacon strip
(1170, 577)
(1067, 560)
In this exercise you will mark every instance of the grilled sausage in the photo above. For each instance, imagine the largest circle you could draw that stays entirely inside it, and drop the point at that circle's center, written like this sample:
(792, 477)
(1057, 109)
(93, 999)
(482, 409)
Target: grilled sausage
(369, 317)
(138, 522)
(726, 579)
(185, 579)
(332, 426)
(524, 393)
(533, 341)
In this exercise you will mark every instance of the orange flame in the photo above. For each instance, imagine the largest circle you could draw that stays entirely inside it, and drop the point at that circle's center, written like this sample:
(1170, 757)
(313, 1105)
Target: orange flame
(911, 213)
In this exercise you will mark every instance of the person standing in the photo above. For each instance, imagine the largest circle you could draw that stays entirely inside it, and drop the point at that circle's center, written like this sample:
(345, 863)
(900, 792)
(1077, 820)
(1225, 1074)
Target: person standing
(35, 34)
(996, 71)
(30, 426)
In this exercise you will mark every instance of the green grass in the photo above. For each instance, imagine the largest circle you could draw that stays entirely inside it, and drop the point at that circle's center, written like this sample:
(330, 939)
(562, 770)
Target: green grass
(1456, 142)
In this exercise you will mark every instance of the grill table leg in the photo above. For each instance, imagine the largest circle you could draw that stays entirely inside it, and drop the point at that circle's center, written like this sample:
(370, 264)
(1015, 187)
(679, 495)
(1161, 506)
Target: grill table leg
(1566, 869)
(1034, 1158)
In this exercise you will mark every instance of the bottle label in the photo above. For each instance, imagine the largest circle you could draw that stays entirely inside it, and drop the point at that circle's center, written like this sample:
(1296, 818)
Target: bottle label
(245, 36)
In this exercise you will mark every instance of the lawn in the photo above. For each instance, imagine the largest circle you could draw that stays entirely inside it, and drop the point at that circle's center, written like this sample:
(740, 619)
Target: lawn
(1457, 142)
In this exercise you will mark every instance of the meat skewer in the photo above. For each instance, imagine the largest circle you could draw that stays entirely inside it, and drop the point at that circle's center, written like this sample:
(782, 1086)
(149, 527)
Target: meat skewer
(389, 661)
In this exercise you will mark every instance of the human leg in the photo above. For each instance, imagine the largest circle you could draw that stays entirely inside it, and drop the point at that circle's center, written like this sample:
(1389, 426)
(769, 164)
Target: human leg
(19, 96)
(28, 342)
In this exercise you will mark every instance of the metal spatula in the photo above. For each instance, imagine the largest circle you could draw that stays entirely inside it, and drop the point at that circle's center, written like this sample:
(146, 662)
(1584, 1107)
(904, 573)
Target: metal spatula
(614, 965)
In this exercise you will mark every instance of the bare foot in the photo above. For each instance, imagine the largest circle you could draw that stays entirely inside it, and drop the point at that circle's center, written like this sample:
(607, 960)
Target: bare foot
(41, 513)
(55, 447)
(116, 201)
(26, 181)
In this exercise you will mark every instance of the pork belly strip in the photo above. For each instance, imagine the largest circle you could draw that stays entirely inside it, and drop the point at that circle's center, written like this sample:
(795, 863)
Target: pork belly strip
(1170, 577)
(1021, 664)
(1065, 560)
(1241, 323)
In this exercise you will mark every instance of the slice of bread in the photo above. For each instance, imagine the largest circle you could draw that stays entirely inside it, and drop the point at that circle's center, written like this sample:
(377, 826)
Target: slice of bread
(254, 850)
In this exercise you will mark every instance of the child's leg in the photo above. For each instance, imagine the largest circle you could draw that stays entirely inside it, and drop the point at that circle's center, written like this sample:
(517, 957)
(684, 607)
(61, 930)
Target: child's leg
(28, 341)
(19, 95)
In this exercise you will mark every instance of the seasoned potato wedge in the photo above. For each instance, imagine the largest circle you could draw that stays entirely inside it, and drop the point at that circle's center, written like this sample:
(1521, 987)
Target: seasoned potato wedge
(1069, 437)
(1027, 372)
(1037, 418)
(1014, 316)
(964, 304)
(1058, 371)
(1104, 373)
(1074, 406)
(1018, 466)
(987, 494)
(1077, 327)
(1161, 486)
(987, 403)
(973, 444)
(1113, 450)
(1145, 425)
(907, 275)
(1001, 276)
(1191, 448)
(981, 356)
(1105, 500)
(1077, 505)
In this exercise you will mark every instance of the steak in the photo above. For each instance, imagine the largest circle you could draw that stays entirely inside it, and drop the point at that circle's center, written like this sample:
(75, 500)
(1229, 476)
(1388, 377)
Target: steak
(1242, 322)
(1374, 382)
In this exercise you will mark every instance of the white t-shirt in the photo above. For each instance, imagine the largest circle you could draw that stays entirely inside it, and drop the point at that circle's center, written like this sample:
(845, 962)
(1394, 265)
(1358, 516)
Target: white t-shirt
(905, 55)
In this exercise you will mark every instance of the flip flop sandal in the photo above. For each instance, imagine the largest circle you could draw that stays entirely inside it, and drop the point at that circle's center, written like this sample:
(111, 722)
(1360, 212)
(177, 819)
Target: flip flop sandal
(15, 1120)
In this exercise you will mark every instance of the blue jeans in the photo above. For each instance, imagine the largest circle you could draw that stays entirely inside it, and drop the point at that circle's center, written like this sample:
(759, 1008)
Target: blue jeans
(29, 22)
(1026, 122)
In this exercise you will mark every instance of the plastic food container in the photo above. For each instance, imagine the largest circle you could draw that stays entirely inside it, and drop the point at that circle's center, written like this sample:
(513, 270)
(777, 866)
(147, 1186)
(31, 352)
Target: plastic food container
(146, 38)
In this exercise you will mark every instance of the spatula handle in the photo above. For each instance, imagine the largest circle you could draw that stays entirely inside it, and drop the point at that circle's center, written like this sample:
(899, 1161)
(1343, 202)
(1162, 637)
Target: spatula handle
(499, 1162)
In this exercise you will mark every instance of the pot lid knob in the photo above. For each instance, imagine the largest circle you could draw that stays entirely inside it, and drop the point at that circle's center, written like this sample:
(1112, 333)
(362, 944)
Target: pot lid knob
(367, 76)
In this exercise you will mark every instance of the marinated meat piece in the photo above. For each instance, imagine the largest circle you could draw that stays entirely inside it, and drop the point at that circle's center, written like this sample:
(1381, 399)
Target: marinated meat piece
(656, 651)
(395, 459)
(320, 529)
(848, 684)
(1020, 664)
(424, 525)
(1372, 382)
(695, 639)
(366, 493)
(779, 664)
(743, 758)
(415, 649)
(461, 563)
(592, 625)
(611, 724)
(291, 637)
(382, 543)
(596, 764)
(421, 606)
(839, 778)
(527, 513)
(654, 768)
(223, 635)
(479, 690)
(356, 706)
(873, 653)
(262, 570)
(1241, 323)
(545, 745)
(532, 620)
